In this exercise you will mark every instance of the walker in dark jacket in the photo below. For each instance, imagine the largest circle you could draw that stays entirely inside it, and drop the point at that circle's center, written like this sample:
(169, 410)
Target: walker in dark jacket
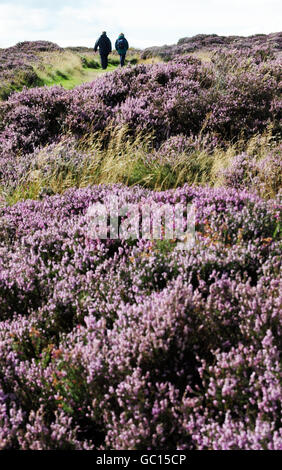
(105, 47)
(121, 46)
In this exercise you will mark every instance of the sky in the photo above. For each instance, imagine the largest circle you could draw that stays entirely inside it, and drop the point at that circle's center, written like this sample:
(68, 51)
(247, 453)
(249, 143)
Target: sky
(145, 23)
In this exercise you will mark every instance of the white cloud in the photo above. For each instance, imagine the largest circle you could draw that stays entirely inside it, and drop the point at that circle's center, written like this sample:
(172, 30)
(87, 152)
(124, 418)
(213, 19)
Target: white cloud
(18, 24)
(145, 22)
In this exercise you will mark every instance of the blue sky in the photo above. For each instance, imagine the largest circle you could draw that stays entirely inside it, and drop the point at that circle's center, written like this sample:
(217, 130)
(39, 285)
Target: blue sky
(144, 22)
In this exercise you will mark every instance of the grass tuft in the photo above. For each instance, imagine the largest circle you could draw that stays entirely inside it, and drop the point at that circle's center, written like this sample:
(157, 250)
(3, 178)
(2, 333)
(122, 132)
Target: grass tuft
(133, 161)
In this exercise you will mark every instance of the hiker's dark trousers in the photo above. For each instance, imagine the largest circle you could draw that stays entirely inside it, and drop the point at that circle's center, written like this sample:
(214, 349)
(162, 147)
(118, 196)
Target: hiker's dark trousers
(122, 59)
(104, 60)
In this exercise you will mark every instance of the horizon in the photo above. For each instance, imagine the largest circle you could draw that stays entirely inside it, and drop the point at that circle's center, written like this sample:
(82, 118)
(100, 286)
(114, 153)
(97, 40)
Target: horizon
(160, 45)
(146, 25)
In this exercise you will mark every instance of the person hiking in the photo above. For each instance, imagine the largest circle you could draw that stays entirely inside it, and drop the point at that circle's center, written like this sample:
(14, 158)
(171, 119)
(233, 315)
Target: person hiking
(105, 47)
(121, 46)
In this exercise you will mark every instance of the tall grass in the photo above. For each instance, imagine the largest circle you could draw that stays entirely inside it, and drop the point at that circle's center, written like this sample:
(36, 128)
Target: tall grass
(133, 161)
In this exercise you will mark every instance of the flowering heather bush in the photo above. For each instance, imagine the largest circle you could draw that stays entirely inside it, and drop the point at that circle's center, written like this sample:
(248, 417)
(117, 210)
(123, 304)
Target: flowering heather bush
(167, 99)
(36, 46)
(214, 42)
(56, 159)
(180, 143)
(121, 344)
(255, 175)
(32, 117)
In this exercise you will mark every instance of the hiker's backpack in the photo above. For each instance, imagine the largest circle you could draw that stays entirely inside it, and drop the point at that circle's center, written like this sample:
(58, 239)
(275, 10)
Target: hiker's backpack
(121, 44)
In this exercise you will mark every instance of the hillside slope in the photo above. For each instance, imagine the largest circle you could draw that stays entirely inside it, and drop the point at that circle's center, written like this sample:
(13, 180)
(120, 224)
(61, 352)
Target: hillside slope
(142, 339)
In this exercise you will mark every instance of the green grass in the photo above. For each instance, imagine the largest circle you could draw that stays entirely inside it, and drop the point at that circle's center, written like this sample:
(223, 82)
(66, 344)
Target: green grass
(70, 69)
(75, 77)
